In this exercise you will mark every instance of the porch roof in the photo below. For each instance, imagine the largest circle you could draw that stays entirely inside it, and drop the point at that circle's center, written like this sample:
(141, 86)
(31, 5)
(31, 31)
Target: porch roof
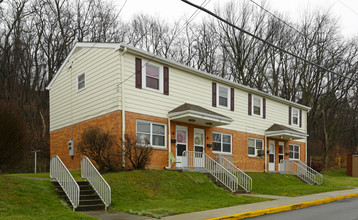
(284, 133)
(198, 115)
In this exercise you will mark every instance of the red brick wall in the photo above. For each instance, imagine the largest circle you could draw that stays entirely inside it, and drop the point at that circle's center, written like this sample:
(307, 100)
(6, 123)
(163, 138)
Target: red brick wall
(112, 122)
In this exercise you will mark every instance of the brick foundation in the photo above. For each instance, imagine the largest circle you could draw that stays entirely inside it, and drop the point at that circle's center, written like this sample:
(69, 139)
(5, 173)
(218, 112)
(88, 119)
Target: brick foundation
(113, 123)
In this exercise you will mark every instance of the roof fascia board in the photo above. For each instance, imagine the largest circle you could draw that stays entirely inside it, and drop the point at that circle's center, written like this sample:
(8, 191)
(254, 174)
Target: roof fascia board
(285, 132)
(202, 115)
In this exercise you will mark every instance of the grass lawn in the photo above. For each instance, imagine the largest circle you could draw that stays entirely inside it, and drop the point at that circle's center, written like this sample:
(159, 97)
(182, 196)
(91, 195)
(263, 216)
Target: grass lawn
(76, 175)
(160, 193)
(22, 198)
(288, 185)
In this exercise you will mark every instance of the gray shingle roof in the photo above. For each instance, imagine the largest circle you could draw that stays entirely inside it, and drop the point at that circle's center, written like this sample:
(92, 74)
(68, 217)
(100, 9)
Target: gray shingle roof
(186, 107)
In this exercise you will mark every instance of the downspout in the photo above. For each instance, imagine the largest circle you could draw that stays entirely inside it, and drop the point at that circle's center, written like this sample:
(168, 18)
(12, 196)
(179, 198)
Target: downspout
(123, 109)
(169, 145)
(265, 153)
(306, 146)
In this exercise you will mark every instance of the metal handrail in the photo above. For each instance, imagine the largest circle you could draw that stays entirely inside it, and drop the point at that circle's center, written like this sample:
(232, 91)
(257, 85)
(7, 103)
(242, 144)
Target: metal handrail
(69, 185)
(303, 171)
(211, 166)
(99, 184)
(245, 181)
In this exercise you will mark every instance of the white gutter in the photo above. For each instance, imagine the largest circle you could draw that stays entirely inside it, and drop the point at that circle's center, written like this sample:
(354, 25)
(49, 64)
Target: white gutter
(123, 110)
(169, 145)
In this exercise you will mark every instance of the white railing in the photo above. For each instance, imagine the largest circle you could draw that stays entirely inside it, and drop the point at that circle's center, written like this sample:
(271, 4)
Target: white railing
(303, 171)
(99, 184)
(69, 185)
(245, 180)
(193, 159)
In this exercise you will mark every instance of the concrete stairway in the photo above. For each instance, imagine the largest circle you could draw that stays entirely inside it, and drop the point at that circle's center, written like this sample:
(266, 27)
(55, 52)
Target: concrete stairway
(89, 200)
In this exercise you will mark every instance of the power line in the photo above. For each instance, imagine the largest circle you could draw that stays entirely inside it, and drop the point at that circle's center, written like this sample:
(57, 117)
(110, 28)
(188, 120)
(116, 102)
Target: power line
(264, 41)
(348, 7)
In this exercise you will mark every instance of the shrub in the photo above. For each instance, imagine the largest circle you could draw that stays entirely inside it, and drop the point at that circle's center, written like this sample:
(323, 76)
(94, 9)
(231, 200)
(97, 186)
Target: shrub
(138, 155)
(317, 165)
(99, 146)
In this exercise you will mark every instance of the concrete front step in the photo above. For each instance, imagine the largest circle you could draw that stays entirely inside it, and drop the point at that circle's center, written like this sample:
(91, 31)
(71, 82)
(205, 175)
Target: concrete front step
(89, 200)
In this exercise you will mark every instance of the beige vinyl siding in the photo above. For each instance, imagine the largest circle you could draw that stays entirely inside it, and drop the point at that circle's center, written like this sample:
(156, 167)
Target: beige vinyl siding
(190, 88)
(102, 92)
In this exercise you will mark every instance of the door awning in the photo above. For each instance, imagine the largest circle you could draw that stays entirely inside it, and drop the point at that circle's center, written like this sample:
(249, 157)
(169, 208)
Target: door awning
(197, 115)
(284, 133)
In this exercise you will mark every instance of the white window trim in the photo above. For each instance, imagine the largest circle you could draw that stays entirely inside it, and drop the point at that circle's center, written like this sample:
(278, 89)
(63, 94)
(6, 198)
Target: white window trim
(299, 152)
(151, 133)
(83, 73)
(228, 96)
(252, 106)
(298, 117)
(222, 147)
(144, 76)
(255, 139)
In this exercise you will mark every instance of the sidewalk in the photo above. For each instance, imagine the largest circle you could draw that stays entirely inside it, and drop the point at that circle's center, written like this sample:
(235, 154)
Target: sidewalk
(280, 201)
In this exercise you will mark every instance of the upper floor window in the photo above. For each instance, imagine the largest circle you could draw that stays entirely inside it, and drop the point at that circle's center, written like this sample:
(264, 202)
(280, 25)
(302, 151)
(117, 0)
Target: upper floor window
(254, 145)
(257, 106)
(151, 133)
(81, 81)
(295, 116)
(294, 152)
(221, 142)
(153, 77)
(224, 96)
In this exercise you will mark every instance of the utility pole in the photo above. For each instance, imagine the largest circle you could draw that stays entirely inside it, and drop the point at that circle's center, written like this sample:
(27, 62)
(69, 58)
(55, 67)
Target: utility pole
(35, 151)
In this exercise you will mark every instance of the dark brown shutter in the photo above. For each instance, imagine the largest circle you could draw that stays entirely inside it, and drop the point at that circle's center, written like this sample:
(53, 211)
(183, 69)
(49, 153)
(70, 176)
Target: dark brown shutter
(166, 80)
(250, 104)
(289, 115)
(214, 94)
(138, 73)
(232, 99)
(300, 118)
(263, 107)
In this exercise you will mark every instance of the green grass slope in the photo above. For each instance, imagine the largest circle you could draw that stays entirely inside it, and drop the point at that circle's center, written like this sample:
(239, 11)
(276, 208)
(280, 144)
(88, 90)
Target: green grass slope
(289, 185)
(22, 198)
(160, 193)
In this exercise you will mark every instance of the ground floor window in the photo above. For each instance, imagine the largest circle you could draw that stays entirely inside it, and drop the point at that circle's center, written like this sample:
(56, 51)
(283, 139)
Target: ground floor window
(294, 152)
(254, 144)
(151, 133)
(222, 142)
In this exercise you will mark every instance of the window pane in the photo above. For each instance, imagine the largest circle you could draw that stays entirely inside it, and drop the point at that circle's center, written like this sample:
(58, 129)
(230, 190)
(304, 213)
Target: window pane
(271, 158)
(81, 85)
(297, 148)
(290, 155)
(158, 140)
(143, 127)
(295, 121)
(257, 110)
(259, 144)
(227, 139)
(180, 149)
(216, 146)
(223, 92)
(290, 148)
(158, 129)
(152, 83)
(216, 137)
(251, 150)
(198, 139)
(297, 155)
(257, 101)
(181, 136)
(152, 71)
(251, 143)
(223, 101)
(227, 148)
(143, 139)
(81, 78)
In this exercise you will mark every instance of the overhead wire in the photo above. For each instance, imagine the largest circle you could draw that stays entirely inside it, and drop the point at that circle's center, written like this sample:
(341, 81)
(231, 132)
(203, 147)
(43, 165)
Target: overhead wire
(264, 41)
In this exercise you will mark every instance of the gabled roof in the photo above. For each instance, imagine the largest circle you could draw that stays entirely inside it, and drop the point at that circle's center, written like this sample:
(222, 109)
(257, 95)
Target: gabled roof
(283, 132)
(195, 114)
(142, 53)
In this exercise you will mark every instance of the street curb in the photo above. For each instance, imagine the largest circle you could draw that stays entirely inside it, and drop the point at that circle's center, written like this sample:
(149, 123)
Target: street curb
(284, 208)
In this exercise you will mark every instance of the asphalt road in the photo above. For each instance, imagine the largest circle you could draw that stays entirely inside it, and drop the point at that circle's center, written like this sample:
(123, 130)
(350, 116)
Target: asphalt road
(346, 209)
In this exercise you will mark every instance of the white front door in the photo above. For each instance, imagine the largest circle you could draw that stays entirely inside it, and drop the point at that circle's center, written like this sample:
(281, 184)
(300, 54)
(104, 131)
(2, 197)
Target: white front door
(199, 147)
(182, 144)
(271, 156)
(281, 153)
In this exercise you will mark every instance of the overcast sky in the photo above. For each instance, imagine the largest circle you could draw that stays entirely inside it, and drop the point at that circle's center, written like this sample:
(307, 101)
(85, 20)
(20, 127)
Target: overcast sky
(172, 10)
